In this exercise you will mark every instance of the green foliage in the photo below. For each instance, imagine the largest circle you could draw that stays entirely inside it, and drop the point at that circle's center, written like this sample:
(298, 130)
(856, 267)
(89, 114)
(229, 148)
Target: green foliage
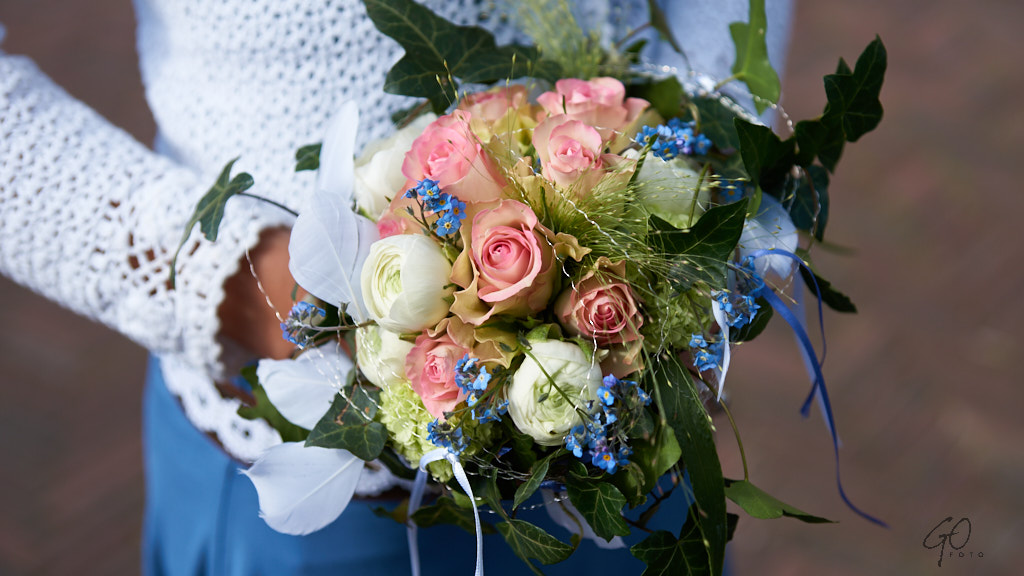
(760, 504)
(446, 511)
(660, 23)
(766, 158)
(700, 253)
(665, 95)
(832, 298)
(853, 108)
(349, 424)
(529, 542)
(264, 409)
(600, 503)
(716, 122)
(657, 456)
(307, 157)
(809, 209)
(681, 408)
(551, 25)
(666, 555)
(538, 473)
(438, 52)
(752, 65)
(210, 209)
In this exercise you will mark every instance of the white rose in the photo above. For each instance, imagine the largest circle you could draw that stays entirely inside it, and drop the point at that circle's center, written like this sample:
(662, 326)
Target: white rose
(381, 355)
(542, 411)
(378, 170)
(665, 189)
(405, 283)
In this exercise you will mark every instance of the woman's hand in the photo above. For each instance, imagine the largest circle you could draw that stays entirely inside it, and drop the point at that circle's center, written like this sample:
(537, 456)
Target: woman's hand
(245, 315)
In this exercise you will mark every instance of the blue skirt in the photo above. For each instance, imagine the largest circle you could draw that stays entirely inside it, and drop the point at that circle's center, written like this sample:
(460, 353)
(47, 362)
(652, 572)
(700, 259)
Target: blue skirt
(202, 518)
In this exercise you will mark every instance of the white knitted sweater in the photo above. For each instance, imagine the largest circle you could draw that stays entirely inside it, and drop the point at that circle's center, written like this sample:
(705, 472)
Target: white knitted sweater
(89, 217)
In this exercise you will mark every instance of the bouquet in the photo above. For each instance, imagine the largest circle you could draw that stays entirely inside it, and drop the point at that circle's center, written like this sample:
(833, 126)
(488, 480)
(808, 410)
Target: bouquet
(535, 288)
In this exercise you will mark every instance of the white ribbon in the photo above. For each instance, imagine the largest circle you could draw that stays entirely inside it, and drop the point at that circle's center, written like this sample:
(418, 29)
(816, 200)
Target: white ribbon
(723, 326)
(416, 497)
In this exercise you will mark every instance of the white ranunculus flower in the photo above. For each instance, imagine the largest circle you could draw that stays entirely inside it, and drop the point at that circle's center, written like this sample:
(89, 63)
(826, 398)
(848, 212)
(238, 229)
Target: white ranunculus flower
(378, 170)
(405, 282)
(538, 408)
(381, 355)
(666, 188)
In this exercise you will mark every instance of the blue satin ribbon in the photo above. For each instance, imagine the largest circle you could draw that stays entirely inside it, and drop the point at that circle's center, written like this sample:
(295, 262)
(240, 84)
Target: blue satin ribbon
(416, 498)
(811, 361)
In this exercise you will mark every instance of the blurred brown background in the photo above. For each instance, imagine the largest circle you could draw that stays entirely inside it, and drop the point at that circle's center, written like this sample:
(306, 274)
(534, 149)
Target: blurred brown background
(925, 380)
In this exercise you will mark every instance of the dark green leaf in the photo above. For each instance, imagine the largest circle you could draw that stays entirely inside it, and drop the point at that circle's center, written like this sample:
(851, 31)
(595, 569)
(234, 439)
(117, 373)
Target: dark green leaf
(446, 511)
(701, 253)
(399, 513)
(529, 542)
(815, 138)
(631, 482)
(210, 209)
(538, 472)
(760, 504)
(660, 23)
(682, 409)
(437, 52)
(853, 103)
(752, 65)
(307, 157)
(666, 555)
(716, 122)
(350, 426)
(832, 298)
(264, 409)
(600, 503)
(809, 210)
(656, 457)
(665, 96)
(750, 331)
(766, 158)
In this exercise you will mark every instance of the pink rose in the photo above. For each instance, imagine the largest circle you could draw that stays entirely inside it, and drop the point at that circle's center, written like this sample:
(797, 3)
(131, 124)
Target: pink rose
(430, 367)
(493, 105)
(569, 152)
(602, 307)
(449, 153)
(507, 265)
(600, 103)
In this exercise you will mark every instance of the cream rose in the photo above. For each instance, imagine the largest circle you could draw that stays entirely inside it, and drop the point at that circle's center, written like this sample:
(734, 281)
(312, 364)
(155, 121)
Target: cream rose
(547, 410)
(381, 355)
(405, 283)
(666, 189)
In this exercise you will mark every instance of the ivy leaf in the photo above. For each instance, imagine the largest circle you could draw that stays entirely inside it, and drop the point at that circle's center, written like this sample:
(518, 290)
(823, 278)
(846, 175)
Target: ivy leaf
(752, 65)
(853, 102)
(809, 210)
(815, 138)
(631, 483)
(438, 51)
(349, 425)
(529, 542)
(656, 457)
(701, 253)
(681, 408)
(600, 503)
(265, 410)
(760, 504)
(307, 157)
(446, 511)
(750, 331)
(210, 209)
(716, 122)
(666, 555)
(766, 158)
(665, 96)
(538, 472)
(832, 298)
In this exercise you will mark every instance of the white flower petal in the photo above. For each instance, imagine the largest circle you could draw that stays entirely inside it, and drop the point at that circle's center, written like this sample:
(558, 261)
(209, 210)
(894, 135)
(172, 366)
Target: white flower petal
(302, 389)
(302, 489)
(771, 228)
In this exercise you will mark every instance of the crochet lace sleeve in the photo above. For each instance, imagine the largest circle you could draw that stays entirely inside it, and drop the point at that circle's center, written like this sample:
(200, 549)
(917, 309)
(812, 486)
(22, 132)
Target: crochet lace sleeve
(90, 219)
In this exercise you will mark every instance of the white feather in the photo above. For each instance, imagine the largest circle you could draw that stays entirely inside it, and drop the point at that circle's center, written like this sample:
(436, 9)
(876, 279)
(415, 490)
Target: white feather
(771, 228)
(302, 489)
(336, 174)
(302, 389)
